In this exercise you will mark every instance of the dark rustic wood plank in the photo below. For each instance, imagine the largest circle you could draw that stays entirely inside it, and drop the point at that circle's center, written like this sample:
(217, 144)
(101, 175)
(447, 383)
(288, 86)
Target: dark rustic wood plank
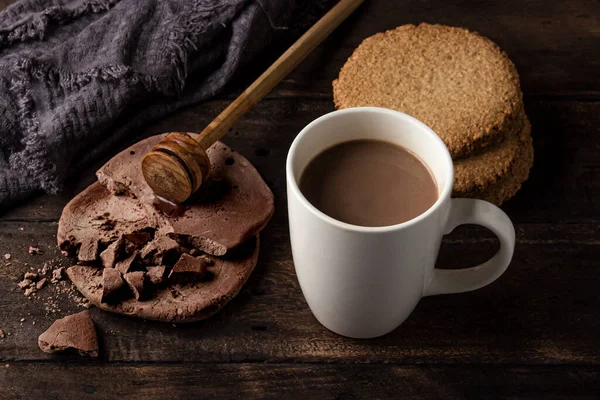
(564, 185)
(553, 43)
(543, 310)
(254, 381)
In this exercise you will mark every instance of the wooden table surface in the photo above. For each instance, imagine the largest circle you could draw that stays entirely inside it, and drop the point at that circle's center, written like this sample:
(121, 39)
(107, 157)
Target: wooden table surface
(534, 333)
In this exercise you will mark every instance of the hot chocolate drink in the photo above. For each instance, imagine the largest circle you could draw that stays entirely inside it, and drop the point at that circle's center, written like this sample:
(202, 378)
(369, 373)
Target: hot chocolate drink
(369, 183)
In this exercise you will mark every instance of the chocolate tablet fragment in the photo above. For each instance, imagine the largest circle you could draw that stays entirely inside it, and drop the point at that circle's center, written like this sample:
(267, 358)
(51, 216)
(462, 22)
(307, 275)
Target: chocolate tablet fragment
(189, 269)
(84, 223)
(128, 264)
(88, 252)
(112, 283)
(136, 281)
(156, 274)
(72, 332)
(174, 302)
(112, 253)
(230, 208)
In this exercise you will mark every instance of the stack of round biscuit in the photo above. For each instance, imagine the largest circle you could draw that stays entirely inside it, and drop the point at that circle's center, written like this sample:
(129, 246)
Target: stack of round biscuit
(460, 84)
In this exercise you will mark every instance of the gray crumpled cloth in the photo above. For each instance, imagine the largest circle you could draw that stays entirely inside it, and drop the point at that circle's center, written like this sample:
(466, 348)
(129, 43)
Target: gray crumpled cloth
(76, 76)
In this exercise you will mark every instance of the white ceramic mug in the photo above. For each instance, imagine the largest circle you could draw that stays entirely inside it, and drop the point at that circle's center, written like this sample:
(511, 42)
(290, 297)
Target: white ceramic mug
(363, 282)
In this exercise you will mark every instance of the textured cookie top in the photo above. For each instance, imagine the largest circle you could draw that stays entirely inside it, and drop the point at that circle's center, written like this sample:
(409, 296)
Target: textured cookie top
(456, 81)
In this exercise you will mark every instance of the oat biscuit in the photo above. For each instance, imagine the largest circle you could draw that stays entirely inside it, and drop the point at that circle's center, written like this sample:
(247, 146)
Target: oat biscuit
(459, 83)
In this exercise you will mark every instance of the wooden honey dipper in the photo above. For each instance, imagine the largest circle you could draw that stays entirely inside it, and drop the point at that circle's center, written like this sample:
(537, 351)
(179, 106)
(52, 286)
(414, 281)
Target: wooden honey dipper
(176, 167)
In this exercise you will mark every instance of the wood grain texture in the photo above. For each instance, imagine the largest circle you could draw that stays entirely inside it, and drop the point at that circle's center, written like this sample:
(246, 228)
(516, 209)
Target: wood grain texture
(543, 310)
(547, 41)
(542, 315)
(564, 185)
(256, 381)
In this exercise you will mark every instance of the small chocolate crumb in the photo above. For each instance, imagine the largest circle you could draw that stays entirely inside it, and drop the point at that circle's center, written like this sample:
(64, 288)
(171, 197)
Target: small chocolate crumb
(25, 283)
(22, 319)
(57, 274)
(29, 291)
(41, 283)
(34, 250)
(1, 334)
(31, 275)
(7, 256)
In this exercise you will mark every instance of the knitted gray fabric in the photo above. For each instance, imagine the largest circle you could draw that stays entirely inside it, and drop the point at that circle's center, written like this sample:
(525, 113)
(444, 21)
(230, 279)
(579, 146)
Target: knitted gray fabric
(76, 76)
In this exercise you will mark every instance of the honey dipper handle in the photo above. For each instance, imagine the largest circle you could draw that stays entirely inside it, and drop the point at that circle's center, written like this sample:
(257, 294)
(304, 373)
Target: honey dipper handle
(279, 69)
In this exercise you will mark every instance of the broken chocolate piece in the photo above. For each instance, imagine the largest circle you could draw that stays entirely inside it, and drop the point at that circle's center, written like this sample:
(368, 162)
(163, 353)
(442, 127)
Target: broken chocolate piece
(134, 241)
(75, 331)
(112, 283)
(174, 302)
(128, 264)
(157, 274)
(79, 221)
(188, 269)
(136, 281)
(88, 252)
(215, 223)
(112, 253)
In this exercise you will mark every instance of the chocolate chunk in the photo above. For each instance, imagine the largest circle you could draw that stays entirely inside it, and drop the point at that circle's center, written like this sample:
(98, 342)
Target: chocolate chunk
(136, 281)
(88, 252)
(134, 241)
(75, 331)
(175, 302)
(79, 221)
(156, 275)
(112, 253)
(112, 283)
(188, 269)
(219, 218)
(128, 264)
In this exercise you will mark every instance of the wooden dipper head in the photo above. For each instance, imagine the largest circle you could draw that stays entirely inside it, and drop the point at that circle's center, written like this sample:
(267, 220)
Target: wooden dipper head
(176, 167)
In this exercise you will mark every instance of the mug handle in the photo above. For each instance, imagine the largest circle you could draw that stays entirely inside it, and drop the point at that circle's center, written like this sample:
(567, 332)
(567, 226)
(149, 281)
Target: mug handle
(479, 212)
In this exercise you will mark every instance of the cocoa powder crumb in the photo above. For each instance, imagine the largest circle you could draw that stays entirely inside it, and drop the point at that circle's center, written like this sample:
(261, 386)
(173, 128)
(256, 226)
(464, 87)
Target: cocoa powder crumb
(31, 275)
(34, 250)
(29, 291)
(1, 334)
(40, 283)
(7, 256)
(25, 283)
